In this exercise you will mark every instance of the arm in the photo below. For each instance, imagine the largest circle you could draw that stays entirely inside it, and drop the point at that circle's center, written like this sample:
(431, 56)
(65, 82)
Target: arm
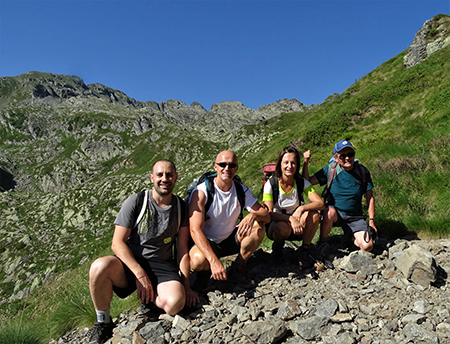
(196, 224)
(257, 214)
(306, 156)
(122, 251)
(184, 261)
(315, 204)
(371, 207)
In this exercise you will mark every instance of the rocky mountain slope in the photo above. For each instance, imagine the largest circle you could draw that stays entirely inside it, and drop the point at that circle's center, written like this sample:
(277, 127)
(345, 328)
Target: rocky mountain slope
(71, 152)
(384, 297)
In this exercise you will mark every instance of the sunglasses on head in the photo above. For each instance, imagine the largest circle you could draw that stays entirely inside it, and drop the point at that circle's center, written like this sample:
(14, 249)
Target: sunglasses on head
(348, 155)
(225, 164)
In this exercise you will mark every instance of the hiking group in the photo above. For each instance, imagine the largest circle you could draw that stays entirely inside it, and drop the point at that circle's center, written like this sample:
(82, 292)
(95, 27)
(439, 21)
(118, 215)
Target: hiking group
(160, 242)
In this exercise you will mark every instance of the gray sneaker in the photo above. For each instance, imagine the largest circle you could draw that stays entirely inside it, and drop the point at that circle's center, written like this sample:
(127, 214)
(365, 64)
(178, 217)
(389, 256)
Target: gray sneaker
(100, 332)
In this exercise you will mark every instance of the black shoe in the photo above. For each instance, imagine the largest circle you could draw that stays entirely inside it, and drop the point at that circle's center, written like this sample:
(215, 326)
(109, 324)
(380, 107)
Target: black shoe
(277, 253)
(304, 259)
(201, 280)
(100, 332)
(321, 251)
(238, 274)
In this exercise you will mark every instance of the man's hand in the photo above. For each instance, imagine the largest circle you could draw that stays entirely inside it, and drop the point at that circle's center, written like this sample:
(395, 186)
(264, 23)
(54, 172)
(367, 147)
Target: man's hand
(191, 297)
(217, 270)
(307, 155)
(246, 225)
(145, 290)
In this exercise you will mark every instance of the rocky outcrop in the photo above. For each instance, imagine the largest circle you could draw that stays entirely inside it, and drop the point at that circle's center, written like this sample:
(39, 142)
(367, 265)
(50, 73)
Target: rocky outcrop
(433, 36)
(364, 299)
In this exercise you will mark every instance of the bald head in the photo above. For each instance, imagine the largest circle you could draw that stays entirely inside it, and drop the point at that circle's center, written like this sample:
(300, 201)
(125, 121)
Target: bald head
(227, 156)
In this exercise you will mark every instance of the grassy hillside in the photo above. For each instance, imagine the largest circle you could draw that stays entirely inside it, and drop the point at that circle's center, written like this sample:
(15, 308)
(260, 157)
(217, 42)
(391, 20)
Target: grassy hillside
(397, 118)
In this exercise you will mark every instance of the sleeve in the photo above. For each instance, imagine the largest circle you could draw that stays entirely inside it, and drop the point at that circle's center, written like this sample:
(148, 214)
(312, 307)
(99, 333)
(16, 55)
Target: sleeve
(267, 192)
(250, 199)
(321, 175)
(369, 181)
(126, 216)
(307, 188)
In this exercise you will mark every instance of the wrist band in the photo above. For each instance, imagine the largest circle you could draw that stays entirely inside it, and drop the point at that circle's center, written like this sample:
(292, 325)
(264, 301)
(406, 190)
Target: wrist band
(371, 219)
(141, 276)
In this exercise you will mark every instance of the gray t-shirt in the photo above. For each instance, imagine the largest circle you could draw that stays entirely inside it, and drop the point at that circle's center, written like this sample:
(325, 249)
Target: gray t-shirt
(154, 236)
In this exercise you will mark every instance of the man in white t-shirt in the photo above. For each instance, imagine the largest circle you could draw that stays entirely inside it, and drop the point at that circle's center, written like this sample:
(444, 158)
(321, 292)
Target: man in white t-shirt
(216, 231)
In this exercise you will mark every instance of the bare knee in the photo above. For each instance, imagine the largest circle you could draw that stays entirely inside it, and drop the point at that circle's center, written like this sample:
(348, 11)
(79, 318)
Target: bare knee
(98, 268)
(174, 304)
(198, 260)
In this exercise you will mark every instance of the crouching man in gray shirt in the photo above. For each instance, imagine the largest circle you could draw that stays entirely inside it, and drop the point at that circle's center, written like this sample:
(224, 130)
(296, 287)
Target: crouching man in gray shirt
(143, 254)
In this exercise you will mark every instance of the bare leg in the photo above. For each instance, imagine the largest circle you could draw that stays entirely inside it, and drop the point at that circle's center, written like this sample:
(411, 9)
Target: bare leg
(329, 217)
(171, 297)
(198, 260)
(361, 243)
(312, 220)
(250, 243)
(280, 231)
(104, 273)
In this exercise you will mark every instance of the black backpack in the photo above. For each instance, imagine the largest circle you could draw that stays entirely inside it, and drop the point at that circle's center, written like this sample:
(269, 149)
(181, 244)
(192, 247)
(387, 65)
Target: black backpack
(208, 178)
(299, 181)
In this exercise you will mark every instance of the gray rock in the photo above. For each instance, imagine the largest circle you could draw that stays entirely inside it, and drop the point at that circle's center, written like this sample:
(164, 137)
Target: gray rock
(357, 261)
(418, 334)
(309, 328)
(417, 265)
(265, 332)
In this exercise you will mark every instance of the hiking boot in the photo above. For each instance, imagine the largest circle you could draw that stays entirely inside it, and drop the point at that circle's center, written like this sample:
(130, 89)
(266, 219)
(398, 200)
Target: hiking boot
(201, 280)
(304, 259)
(277, 253)
(100, 332)
(322, 249)
(238, 273)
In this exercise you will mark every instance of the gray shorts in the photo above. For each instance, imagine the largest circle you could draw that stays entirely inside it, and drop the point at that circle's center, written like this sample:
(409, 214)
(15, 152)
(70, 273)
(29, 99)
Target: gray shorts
(351, 223)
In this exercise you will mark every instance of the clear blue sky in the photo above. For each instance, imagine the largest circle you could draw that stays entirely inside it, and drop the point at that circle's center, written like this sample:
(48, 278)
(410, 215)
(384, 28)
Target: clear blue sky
(255, 52)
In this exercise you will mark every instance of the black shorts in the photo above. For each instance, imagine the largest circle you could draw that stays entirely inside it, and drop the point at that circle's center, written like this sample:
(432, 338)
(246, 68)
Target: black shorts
(158, 271)
(351, 223)
(226, 247)
(292, 236)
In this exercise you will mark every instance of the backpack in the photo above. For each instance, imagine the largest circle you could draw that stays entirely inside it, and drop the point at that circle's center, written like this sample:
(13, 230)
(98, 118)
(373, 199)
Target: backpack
(269, 171)
(208, 178)
(141, 202)
(332, 172)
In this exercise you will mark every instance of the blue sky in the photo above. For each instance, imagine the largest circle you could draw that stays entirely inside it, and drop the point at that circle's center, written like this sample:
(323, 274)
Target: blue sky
(254, 52)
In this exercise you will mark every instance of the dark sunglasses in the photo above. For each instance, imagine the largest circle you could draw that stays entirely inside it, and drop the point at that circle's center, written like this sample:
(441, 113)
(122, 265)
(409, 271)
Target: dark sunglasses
(225, 164)
(348, 155)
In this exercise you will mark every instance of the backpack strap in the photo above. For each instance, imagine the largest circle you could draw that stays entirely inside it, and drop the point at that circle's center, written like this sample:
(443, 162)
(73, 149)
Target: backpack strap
(362, 172)
(241, 197)
(179, 210)
(273, 180)
(141, 201)
(300, 183)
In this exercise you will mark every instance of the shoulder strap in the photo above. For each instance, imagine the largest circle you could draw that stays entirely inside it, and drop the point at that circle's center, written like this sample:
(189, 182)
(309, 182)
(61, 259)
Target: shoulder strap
(331, 173)
(241, 197)
(179, 210)
(273, 180)
(362, 172)
(145, 195)
(300, 185)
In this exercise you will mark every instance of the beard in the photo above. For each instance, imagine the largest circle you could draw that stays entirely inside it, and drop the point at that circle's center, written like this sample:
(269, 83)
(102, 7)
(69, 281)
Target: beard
(163, 191)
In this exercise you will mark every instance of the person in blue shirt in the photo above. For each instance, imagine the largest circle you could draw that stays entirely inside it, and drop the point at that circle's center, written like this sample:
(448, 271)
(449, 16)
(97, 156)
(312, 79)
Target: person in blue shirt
(350, 182)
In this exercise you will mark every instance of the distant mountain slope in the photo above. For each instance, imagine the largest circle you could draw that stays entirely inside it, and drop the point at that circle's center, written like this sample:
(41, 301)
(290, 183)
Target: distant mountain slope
(70, 153)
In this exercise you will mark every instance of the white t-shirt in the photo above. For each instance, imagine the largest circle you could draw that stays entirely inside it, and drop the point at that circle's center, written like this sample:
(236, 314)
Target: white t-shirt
(286, 201)
(223, 215)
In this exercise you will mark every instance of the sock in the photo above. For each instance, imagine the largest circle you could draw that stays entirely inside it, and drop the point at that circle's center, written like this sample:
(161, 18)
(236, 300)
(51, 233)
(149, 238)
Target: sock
(322, 240)
(305, 247)
(103, 316)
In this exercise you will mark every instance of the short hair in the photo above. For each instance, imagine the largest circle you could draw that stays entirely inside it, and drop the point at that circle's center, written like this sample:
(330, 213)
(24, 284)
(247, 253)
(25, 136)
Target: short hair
(165, 160)
(288, 149)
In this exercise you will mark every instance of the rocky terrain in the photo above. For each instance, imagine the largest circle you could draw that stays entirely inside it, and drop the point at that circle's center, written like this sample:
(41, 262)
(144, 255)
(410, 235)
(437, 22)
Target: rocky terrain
(71, 153)
(396, 295)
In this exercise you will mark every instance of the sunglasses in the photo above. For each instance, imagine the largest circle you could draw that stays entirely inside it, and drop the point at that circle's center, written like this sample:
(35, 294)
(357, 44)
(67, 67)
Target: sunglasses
(348, 155)
(225, 164)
